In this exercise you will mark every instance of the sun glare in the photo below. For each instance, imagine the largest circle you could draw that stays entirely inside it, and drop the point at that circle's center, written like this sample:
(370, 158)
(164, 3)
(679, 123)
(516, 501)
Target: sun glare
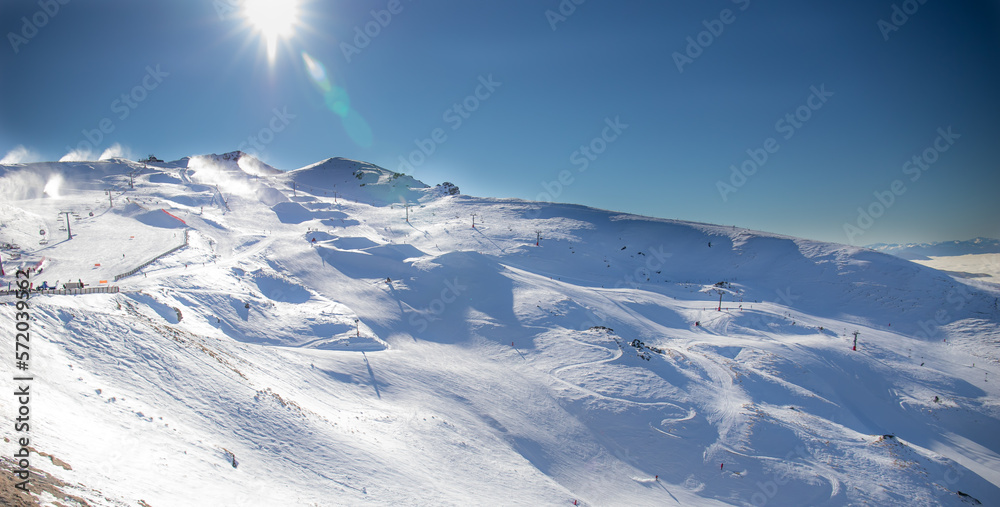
(273, 18)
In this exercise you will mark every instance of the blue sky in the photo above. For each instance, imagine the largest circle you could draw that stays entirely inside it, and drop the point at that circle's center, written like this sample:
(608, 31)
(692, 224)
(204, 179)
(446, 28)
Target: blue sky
(607, 104)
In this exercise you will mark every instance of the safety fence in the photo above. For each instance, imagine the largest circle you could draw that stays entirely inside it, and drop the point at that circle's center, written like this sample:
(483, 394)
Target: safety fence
(105, 289)
(154, 259)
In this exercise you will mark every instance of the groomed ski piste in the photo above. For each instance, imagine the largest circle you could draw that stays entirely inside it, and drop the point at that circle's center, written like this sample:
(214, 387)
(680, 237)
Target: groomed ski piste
(309, 345)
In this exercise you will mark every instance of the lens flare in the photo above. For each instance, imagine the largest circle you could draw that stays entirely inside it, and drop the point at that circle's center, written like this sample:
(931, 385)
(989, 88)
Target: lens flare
(316, 72)
(357, 128)
(338, 101)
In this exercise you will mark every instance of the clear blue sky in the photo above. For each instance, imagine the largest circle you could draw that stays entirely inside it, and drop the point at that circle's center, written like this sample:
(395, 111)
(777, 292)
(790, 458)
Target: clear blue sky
(559, 80)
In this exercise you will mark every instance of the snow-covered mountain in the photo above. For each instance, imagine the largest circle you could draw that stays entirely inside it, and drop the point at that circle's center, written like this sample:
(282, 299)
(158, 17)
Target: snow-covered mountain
(341, 334)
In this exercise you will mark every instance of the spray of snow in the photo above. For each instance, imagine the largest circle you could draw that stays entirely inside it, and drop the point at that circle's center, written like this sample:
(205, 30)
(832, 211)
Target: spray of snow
(20, 185)
(208, 171)
(117, 151)
(20, 155)
(83, 155)
(53, 186)
(253, 167)
(78, 155)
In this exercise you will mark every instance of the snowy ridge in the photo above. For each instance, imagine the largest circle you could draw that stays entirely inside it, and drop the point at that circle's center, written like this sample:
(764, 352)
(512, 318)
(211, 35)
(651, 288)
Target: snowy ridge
(313, 346)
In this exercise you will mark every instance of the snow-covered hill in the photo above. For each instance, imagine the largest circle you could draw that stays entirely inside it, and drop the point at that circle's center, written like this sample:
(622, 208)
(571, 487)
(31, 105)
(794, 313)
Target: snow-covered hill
(341, 334)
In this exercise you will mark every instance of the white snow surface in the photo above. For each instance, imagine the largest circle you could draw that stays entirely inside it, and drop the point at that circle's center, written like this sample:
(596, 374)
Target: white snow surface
(432, 363)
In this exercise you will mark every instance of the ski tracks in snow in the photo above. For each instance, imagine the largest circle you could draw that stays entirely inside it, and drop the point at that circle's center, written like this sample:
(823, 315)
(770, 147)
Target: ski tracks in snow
(615, 355)
(726, 407)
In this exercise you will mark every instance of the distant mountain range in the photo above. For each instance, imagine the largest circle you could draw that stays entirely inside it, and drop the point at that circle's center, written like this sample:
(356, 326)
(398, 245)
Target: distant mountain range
(924, 251)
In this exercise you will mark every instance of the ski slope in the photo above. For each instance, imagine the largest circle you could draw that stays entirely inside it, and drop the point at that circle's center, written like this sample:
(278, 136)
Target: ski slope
(338, 353)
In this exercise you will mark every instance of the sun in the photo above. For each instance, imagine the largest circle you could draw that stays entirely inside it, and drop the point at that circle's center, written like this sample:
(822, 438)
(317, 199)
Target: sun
(273, 18)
